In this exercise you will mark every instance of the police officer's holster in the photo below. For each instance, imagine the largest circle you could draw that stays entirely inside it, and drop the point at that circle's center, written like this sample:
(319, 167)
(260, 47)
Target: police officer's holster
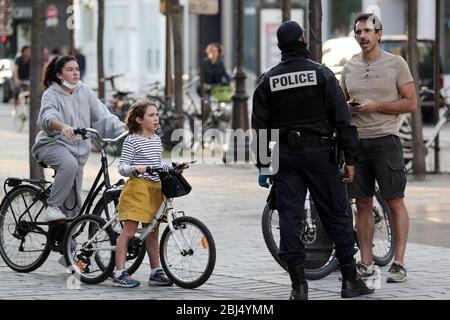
(296, 140)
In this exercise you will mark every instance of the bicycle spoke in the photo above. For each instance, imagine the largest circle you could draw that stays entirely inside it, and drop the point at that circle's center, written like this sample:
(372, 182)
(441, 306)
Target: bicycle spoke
(189, 267)
(24, 245)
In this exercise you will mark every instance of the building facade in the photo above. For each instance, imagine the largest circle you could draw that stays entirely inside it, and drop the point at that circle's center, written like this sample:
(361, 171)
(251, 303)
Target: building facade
(134, 40)
(56, 31)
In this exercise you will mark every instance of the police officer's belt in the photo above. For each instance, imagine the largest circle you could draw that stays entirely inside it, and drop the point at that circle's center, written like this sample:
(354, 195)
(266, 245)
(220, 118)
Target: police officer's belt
(296, 140)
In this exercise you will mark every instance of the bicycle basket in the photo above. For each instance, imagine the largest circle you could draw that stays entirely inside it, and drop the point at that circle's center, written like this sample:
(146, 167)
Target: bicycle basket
(173, 184)
(223, 93)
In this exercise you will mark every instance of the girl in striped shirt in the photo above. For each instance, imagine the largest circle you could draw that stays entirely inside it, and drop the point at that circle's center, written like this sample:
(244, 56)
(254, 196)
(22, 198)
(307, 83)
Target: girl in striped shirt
(141, 197)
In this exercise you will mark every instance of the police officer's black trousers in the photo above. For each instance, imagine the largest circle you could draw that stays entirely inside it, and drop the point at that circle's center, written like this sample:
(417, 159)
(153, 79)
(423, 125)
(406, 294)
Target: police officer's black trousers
(311, 167)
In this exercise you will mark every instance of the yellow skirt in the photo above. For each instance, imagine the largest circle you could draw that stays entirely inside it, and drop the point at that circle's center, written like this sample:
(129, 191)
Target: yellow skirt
(139, 200)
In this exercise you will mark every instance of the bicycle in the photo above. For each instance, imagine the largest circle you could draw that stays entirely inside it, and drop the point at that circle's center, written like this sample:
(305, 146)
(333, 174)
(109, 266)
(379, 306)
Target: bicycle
(121, 100)
(406, 137)
(187, 248)
(320, 254)
(21, 112)
(218, 118)
(25, 239)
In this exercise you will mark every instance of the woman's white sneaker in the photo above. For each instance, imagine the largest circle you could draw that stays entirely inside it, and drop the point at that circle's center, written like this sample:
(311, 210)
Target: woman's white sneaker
(53, 214)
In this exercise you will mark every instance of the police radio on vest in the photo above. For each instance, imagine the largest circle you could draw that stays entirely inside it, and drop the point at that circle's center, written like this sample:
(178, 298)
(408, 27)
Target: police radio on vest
(293, 80)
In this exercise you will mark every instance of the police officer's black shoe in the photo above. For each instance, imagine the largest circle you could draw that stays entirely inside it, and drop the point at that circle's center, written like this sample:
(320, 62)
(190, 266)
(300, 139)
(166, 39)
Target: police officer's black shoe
(354, 288)
(299, 284)
(351, 285)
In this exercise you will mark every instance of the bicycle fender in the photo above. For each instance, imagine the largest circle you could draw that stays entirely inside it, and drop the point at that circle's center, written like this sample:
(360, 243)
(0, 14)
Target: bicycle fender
(22, 186)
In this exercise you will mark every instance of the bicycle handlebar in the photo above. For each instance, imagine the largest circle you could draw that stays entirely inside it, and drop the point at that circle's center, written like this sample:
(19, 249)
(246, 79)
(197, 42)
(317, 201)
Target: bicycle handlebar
(181, 165)
(155, 84)
(83, 132)
(111, 77)
(442, 92)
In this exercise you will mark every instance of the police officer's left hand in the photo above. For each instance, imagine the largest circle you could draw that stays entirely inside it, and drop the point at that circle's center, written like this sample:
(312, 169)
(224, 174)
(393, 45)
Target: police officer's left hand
(262, 180)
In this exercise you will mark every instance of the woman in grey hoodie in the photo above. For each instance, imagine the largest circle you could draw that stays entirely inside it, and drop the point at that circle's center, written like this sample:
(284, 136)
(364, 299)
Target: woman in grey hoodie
(67, 104)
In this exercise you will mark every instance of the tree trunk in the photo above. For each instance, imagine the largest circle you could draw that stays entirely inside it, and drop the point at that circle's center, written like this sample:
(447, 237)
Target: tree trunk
(286, 6)
(100, 65)
(178, 60)
(36, 65)
(315, 29)
(71, 27)
(436, 75)
(419, 168)
(168, 69)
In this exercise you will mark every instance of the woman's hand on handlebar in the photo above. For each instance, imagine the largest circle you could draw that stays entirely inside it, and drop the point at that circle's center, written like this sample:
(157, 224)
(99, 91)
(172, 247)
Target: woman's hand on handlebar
(68, 132)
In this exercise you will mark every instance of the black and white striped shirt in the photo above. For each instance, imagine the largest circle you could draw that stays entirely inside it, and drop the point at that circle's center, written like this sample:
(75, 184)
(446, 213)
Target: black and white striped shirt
(140, 151)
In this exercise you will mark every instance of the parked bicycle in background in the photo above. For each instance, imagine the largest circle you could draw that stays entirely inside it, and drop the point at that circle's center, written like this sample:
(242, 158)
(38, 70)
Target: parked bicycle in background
(121, 99)
(429, 142)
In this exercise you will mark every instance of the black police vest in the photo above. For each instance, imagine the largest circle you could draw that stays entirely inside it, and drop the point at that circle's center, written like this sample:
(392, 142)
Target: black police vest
(296, 95)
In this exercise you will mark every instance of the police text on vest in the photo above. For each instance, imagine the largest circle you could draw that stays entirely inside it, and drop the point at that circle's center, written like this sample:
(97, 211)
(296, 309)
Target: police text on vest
(293, 80)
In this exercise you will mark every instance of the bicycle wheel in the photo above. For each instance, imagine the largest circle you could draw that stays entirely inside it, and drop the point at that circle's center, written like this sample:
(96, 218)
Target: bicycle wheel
(84, 247)
(191, 265)
(23, 246)
(383, 241)
(136, 251)
(320, 260)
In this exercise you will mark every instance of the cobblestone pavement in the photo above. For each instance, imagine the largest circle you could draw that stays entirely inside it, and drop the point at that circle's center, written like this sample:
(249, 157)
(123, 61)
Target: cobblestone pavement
(228, 200)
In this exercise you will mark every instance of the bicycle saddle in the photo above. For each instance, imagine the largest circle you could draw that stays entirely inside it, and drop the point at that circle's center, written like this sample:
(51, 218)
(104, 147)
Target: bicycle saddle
(43, 164)
(124, 93)
(112, 77)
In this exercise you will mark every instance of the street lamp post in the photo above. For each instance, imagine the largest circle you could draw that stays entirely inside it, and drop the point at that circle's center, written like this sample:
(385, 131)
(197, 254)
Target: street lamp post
(240, 111)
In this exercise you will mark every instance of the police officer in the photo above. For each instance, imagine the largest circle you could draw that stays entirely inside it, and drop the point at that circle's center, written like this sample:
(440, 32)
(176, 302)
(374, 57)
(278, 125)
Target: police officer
(303, 100)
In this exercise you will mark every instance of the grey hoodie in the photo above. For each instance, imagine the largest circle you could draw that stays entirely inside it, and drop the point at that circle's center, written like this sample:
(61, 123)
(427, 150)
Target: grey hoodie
(80, 109)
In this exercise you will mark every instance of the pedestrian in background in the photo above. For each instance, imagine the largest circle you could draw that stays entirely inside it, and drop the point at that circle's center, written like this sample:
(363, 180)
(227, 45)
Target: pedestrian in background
(81, 62)
(215, 73)
(21, 73)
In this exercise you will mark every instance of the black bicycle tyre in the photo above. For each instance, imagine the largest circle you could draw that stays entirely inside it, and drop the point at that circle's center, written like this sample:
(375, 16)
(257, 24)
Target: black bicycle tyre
(212, 251)
(17, 191)
(310, 274)
(106, 271)
(98, 210)
(387, 258)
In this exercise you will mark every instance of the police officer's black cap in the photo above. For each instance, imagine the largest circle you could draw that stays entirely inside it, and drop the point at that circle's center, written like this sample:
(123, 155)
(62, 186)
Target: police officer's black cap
(289, 31)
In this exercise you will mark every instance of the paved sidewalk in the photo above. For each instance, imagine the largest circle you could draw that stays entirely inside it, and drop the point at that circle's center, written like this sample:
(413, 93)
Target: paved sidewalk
(228, 200)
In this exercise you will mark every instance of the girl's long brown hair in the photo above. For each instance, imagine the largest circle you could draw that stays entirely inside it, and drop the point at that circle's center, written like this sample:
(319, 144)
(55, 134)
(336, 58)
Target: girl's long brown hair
(137, 109)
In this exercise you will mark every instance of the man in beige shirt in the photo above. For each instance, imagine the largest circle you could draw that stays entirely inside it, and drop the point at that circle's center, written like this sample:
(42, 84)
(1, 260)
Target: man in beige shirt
(379, 87)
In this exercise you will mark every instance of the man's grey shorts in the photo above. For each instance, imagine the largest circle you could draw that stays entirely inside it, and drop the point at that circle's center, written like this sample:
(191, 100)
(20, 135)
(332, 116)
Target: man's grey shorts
(379, 159)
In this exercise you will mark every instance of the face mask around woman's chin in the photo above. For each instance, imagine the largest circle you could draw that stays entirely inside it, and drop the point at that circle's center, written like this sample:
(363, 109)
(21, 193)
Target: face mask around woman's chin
(70, 85)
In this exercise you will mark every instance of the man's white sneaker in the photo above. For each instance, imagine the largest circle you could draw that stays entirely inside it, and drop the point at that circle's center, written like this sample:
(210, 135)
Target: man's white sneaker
(53, 214)
(365, 271)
